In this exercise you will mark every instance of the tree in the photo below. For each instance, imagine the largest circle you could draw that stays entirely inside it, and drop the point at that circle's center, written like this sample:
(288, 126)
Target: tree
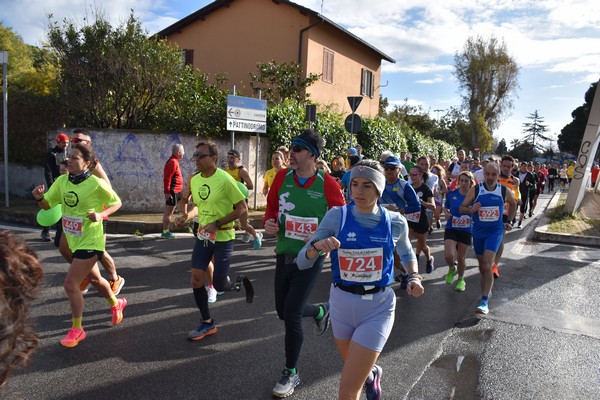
(570, 137)
(502, 149)
(521, 149)
(534, 131)
(487, 75)
(112, 77)
(278, 82)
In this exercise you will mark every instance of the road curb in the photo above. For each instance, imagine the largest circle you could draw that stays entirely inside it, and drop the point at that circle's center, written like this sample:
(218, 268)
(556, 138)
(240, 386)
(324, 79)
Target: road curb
(541, 231)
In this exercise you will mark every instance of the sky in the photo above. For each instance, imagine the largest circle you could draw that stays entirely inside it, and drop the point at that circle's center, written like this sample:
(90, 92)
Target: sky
(556, 44)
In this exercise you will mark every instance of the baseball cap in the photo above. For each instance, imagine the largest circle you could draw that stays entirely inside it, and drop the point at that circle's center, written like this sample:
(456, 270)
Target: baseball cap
(353, 151)
(391, 160)
(233, 152)
(62, 138)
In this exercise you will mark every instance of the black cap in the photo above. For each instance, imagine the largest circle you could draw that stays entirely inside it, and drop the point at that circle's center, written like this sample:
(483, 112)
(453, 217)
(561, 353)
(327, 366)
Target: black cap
(233, 152)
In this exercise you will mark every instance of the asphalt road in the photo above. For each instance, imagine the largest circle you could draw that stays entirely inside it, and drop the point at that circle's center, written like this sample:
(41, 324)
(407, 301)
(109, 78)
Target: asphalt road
(541, 339)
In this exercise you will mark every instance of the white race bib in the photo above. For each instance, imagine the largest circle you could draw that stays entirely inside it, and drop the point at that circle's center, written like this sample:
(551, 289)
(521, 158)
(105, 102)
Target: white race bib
(300, 228)
(361, 265)
(464, 221)
(206, 235)
(489, 214)
(72, 225)
(413, 217)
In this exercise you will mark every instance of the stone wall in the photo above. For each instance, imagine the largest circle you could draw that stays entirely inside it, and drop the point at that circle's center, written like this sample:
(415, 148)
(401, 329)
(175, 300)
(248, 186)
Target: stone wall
(134, 162)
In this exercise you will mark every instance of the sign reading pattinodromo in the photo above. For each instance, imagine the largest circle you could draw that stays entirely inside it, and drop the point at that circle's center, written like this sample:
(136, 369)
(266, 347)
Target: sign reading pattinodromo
(246, 114)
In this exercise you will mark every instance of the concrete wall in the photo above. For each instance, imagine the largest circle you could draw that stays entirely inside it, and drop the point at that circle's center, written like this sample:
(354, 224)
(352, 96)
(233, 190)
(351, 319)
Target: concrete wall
(134, 163)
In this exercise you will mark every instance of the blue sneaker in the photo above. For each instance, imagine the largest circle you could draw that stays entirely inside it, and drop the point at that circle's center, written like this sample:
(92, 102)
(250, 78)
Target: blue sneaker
(482, 308)
(203, 331)
(168, 235)
(373, 389)
(257, 244)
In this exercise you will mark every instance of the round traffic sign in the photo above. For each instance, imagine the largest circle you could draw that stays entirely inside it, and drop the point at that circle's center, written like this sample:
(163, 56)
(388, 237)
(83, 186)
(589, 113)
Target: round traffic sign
(353, 123)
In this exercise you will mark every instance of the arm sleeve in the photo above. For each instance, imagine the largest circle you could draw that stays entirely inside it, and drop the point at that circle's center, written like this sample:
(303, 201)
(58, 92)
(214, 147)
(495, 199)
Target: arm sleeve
(412, 201)
(272, 210)
(403, 246)
(329, 226)
(333, 193)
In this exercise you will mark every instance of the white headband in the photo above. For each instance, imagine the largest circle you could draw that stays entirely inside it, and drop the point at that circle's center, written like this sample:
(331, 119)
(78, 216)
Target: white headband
(363, 171)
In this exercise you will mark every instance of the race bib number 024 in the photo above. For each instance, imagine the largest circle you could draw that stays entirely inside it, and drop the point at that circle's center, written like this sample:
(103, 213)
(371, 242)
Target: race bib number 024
(489, 214)
(300, 228)
(361, 265)
(72, 225)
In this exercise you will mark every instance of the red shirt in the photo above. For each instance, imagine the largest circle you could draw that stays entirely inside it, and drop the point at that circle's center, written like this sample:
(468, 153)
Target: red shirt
(595, 174)
(333, 193)
(172, 178)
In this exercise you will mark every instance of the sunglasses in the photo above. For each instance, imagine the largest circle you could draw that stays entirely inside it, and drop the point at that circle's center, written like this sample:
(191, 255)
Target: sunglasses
(390, 168)
(200, 156)
(415, 174)
(335, 163)
(78, 140)
(296, 148)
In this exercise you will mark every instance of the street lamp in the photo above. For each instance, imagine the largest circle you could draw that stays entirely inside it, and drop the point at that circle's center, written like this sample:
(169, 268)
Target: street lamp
(4, 62)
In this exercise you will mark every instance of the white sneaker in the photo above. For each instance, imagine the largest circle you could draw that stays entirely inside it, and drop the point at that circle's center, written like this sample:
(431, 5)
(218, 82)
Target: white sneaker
(212, 294)
(286, 385)
(246, 237)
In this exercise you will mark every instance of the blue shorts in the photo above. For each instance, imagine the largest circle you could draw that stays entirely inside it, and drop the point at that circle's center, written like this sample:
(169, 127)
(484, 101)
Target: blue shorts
(204, 251)
(483, 241)
(366, 322)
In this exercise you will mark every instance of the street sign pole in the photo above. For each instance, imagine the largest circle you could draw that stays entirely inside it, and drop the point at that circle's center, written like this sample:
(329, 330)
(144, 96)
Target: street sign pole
(354, 102)
(4, 62)
(233, 132)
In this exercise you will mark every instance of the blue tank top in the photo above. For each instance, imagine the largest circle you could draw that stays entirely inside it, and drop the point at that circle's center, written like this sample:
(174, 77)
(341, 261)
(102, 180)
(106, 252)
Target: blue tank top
(366, 255)
(458, 222)
(489, 216)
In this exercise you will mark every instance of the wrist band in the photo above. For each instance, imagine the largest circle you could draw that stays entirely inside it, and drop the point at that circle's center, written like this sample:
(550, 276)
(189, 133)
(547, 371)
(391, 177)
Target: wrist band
(38, 200)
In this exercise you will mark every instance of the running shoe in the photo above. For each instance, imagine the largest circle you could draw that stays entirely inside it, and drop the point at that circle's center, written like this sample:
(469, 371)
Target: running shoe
(85, 286)
(212, 294)
(460, 285)
(246, 237)
(482, 308)
(437, 224)
(286, 385)
(430, 267)
(257, 244)
(450, 276)
(168, 235)
(248, 287)
(46, 237)
(373, 389)
(321, 325)
(117, 311)
(74, 336)
(519, 224)
(430, 231)
(495, 271)
(117, 285)
(203, 331)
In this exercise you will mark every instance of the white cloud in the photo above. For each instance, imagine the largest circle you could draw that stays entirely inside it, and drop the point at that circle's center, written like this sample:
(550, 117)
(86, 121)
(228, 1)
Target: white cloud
(436, 79)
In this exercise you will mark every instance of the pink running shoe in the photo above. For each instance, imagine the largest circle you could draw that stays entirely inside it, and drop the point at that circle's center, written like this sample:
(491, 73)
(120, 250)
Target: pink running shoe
(117, 311)
(74, 336)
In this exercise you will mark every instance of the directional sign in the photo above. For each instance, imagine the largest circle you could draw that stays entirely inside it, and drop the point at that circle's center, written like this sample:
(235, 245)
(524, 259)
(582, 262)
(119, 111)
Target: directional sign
(246, 114)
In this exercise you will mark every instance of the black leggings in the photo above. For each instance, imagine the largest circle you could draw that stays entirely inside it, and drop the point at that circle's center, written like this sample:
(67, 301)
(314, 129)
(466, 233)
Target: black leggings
(292, 288)
(524, 201)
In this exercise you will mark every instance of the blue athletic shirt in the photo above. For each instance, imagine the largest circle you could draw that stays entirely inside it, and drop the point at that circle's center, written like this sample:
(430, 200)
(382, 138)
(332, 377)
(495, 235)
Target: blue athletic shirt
(402, 195)
(458, 221)
(489, 216)
(352, 221)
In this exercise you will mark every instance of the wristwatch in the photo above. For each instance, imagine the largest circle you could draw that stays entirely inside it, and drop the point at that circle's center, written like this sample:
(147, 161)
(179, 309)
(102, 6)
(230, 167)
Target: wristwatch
(218, 223)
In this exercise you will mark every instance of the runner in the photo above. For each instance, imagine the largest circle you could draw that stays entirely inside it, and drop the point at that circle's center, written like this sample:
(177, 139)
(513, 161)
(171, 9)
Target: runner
(511, 183)
(362, 303)
(115, 281)
(83, 197)
(240, 174)
(486, 202)
(419, 227)
(400, 196)
(297, 201)
(526, 183)
(173, 185)
(20, 277)
(457, 236)
(214, 192)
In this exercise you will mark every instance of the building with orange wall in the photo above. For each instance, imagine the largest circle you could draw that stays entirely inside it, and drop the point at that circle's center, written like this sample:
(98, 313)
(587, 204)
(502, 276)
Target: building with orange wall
(231, 36)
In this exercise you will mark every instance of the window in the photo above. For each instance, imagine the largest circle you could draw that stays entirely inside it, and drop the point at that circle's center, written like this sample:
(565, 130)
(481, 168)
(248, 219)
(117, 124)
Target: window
(366, 83)
(187, 57)
(327, 66)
